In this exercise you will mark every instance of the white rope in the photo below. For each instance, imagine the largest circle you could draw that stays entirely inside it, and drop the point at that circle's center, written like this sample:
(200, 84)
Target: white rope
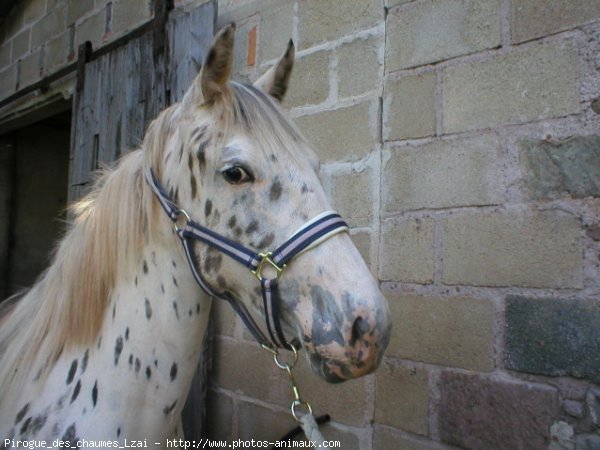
(311, 430)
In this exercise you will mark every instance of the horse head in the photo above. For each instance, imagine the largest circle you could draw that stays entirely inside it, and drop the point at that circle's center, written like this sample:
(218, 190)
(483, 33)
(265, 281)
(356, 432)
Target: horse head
(240, 168)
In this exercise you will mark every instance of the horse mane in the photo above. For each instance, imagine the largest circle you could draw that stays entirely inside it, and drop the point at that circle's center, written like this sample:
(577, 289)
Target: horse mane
(109, 228)
(66, 306)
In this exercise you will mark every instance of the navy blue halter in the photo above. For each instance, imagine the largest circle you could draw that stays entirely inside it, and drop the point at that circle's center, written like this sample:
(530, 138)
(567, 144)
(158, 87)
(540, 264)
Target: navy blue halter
(309, 235)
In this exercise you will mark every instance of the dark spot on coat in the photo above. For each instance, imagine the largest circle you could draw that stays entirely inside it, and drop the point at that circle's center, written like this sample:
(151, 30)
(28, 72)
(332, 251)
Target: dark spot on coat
(191, 163)
(273, 157)
(176, 310)
(84, 360)
(208, 207)
(72, 370)
(119, 432)
(275, 191)
(173, 373)
(38, 423)
(148, 309)
(180, 152)
(193, 185)
(197, 308)
(266, 241)
(70, 435)
(76, 391)
(21, 413)
(114, 311)
(25, 426)
(168, 409)
(138, 365)
(175, 281)
(162, 288)
(252, 227)
(213, 263)
(135, 281)
(148, 372)
(95, 393)
(118, 349)
(127, 333)
(232, 222)
(145, 267)
(304, 189)
(237, 231)
(130, 359)
(327, 318)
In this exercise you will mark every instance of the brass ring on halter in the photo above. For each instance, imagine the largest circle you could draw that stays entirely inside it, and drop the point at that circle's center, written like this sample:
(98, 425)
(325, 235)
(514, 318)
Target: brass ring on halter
(188, 219)
(297, 403)
(286, 365)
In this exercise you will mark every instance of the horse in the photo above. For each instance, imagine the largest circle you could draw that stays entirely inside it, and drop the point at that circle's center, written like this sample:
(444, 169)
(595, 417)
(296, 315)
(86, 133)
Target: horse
(105, 344)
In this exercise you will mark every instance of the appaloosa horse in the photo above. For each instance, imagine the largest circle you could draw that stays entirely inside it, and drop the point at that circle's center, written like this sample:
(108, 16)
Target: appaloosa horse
(105, 344)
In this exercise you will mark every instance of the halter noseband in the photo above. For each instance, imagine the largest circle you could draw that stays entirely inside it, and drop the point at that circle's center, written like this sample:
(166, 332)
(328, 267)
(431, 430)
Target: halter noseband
(311, 234)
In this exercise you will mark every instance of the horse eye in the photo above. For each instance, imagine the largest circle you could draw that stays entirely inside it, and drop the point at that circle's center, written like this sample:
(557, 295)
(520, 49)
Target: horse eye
(236, 175)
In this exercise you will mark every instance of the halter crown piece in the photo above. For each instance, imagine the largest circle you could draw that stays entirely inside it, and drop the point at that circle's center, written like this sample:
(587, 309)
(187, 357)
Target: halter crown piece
(311, 234)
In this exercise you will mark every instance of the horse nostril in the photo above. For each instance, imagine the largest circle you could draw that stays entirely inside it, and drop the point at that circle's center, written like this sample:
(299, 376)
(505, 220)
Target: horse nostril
(359, 329)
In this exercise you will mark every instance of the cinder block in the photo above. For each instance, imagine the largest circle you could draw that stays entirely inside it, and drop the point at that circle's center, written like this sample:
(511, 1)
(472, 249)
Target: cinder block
(30, 69)
(8, 81)
(259, 423)
(553, 336)
(309, 84)
(347, 403)
(57, 53)
(276, 26)
(34, 10)
(536, 18)
(219, 422)
(537, 83)
(48, 26)
(455, 332)
(246, 368)
(444, 174)
(540, 250)
(555, 169)
(407, 252)
(430, 31)
(78, 8)
(20, 44)
(362, 241)
(358, 66)
(129, 15)
(353, 197)
(5, 51)
(343, 134)
(409, 107)
(386, 439)
(324, 20)
(91, 29)
(483, 412)
(402, 398)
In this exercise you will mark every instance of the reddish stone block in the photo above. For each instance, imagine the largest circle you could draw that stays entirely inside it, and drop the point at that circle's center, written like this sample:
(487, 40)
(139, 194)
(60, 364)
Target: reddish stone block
(477, 412)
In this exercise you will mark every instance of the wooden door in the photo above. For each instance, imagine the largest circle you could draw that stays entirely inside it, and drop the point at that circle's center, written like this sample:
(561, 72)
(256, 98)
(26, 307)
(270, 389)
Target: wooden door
(119, 91)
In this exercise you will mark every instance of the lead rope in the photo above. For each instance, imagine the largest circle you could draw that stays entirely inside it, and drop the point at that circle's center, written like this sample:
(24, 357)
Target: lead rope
(307, 420)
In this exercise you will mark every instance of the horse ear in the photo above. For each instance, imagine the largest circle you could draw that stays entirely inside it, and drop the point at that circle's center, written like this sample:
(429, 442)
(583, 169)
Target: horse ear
(275, 81)
(215, 72)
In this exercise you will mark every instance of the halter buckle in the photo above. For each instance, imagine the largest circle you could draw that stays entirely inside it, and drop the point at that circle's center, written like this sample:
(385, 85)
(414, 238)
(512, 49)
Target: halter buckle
(265, 258)
(181, 213)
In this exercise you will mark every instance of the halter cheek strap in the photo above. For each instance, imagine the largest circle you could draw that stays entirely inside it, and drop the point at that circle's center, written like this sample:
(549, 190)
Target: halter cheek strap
(311, 234)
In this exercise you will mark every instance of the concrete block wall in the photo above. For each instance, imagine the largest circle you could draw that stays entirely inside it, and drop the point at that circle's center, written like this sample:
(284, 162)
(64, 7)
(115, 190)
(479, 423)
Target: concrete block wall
(461, 140)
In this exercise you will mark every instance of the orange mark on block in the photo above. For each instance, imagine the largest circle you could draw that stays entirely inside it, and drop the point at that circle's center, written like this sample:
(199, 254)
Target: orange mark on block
(251, 57)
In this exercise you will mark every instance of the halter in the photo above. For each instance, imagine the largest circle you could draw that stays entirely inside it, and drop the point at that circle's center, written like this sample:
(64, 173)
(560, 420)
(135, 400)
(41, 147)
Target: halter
(311, 234)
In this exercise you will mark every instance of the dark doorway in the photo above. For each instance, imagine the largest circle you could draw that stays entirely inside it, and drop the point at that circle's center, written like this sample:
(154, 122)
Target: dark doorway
(34, 176)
